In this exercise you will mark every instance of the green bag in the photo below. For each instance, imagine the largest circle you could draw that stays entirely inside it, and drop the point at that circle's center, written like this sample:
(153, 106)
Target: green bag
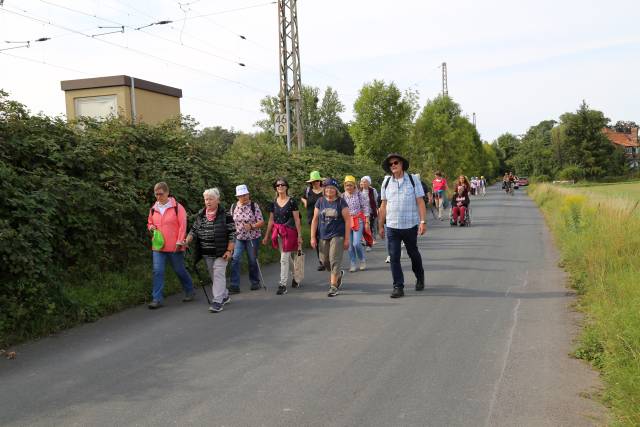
(157, 241)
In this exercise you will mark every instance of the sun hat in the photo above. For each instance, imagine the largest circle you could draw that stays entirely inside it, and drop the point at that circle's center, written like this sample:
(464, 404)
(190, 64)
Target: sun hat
(157, 241)
(385, 162)
(366, 178)
(330, 182)
(314, 176)
(241, 190)
(350, 178)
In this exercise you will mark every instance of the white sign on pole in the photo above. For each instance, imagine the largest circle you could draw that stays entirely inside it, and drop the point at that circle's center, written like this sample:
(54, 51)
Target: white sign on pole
(281, 124)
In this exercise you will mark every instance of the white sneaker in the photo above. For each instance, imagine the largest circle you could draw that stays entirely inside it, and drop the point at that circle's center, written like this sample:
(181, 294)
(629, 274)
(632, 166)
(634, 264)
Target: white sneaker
(353, 268)
(388, 260)
(368, 249)
(363, 265)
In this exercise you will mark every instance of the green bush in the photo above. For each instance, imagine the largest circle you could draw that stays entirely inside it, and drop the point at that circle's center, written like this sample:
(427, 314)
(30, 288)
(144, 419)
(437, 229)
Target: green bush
(571, 173)
(75, 200)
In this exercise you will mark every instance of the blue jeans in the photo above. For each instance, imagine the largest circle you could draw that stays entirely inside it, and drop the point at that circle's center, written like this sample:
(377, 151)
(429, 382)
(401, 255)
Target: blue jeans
(356, 251)
(176, 259)
(395, 236)
(251, 247)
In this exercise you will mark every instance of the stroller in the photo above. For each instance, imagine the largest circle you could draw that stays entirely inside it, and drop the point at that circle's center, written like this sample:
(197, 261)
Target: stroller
(467, 217)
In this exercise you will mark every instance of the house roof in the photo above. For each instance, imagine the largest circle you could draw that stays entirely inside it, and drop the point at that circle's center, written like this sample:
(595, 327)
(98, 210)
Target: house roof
(622, 139)
(120, 81)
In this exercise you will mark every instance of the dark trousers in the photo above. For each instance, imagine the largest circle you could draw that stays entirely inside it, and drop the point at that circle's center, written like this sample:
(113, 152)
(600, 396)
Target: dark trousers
(395, 236)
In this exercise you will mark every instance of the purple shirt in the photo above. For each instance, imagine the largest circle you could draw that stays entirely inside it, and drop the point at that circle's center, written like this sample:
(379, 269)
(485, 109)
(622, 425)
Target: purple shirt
(356, 203)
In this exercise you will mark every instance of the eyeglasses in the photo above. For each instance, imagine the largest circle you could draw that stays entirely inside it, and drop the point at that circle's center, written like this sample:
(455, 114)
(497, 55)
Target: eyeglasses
(281, 185)
(395, 162)
(160, 193)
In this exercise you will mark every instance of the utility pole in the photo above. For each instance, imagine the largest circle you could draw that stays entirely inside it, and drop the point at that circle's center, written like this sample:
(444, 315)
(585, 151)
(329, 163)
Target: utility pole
(445, 89)
(290, 94)
(474, 119)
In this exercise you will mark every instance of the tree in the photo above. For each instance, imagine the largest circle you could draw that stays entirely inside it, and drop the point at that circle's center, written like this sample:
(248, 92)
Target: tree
(535, 154)
(624, 126)
(585, 145)
(270, 105)
(443, 139)
(383, 120)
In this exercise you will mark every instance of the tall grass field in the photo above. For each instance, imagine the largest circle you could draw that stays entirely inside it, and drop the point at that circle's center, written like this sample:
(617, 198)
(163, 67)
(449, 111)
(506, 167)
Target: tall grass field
(597, 228)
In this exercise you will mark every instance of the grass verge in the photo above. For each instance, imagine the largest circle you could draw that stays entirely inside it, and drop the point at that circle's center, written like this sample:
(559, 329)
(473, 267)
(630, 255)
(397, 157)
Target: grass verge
(599, 239)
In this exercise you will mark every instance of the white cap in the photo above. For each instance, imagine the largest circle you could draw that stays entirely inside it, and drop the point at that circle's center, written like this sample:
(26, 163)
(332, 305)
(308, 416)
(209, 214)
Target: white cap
(366, 178)
(241, 190)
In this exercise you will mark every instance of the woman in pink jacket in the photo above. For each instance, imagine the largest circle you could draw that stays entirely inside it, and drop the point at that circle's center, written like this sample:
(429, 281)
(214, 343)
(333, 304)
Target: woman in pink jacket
(170, 218)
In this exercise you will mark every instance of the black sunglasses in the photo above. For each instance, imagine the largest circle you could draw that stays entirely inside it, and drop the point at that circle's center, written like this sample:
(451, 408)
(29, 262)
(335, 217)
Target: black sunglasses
(280, 184)
(395, 162)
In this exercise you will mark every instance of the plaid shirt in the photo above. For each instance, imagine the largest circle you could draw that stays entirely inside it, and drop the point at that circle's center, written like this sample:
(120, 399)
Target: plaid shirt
(402, 208)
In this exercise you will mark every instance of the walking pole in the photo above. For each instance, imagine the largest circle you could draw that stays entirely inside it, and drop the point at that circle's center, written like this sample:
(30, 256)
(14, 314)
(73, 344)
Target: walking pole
(195, 268)
(255, 252)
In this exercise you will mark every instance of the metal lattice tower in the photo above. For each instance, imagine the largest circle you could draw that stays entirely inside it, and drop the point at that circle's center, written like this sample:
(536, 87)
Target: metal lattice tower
(290, 94)
(445, 88)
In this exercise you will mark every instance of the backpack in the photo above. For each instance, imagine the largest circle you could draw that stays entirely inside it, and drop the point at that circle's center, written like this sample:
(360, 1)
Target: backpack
(253, 208)
(425, 187)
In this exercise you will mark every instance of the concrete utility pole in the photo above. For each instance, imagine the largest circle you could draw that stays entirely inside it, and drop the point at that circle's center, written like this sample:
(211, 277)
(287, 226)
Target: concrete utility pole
(474, 119)
(445, 89)
(290, 94)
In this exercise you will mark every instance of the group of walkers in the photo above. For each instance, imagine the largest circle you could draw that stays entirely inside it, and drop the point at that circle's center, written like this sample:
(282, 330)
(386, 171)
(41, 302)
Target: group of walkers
(338, 221)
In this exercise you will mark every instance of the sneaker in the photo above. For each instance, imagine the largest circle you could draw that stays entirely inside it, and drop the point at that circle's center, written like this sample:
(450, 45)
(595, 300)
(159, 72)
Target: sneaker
(226, 300)
(352, 269)
(320, 267)
(255, 286)
(388, 259)
(397, 293)
(188, 297)
(363, 265)
(216, 307)
(368, 249)
(154, 304)
(339, 283)
(234, 290)
(420, 285)
(281, 290)
(333, 291)
(294, 284)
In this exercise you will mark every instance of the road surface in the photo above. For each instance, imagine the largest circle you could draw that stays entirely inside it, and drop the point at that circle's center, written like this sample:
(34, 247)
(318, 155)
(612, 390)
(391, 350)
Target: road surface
(486, 344)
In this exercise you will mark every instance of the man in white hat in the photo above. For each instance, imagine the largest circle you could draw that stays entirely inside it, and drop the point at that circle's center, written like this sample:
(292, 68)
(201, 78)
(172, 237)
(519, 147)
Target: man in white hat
(248, 219)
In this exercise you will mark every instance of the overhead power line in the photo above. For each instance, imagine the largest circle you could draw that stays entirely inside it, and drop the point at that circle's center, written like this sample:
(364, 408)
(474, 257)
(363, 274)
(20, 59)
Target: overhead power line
(162, 22)
(139, 52)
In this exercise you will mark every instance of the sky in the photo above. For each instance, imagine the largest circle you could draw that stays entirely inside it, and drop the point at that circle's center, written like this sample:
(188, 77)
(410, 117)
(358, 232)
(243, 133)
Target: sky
(513, 63)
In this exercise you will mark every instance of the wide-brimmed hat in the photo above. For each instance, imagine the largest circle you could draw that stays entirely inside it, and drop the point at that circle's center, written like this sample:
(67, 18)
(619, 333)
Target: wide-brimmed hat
(315, 176)
(350, 178)
(241, 190)
(385, 162)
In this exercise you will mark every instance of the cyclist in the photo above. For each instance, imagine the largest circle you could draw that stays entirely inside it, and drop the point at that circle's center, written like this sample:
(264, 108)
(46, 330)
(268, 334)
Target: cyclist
(439, 186)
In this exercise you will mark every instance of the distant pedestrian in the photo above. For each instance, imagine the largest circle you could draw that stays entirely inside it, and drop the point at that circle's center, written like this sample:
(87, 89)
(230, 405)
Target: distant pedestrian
(330, 230)
(214, 234)
(439, 186)
(370, 195)
(311, 194)
(404, 212)
(168, 222)
(359, 210)
(284, 231)
(248, 219)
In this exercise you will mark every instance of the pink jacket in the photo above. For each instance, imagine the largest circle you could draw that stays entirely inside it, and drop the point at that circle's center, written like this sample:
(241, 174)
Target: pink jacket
(172, 227)
(289, 237)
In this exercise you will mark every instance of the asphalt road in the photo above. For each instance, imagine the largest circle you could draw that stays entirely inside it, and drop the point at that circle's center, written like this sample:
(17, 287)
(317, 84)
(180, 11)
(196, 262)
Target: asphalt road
(487, 343)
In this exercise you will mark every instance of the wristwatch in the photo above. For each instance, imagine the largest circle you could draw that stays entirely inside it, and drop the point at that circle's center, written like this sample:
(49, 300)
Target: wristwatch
(422, 222)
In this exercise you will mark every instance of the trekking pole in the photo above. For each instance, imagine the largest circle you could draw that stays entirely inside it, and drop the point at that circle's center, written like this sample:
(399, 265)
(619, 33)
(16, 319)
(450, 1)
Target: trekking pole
(255, 252)
(202, 281)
